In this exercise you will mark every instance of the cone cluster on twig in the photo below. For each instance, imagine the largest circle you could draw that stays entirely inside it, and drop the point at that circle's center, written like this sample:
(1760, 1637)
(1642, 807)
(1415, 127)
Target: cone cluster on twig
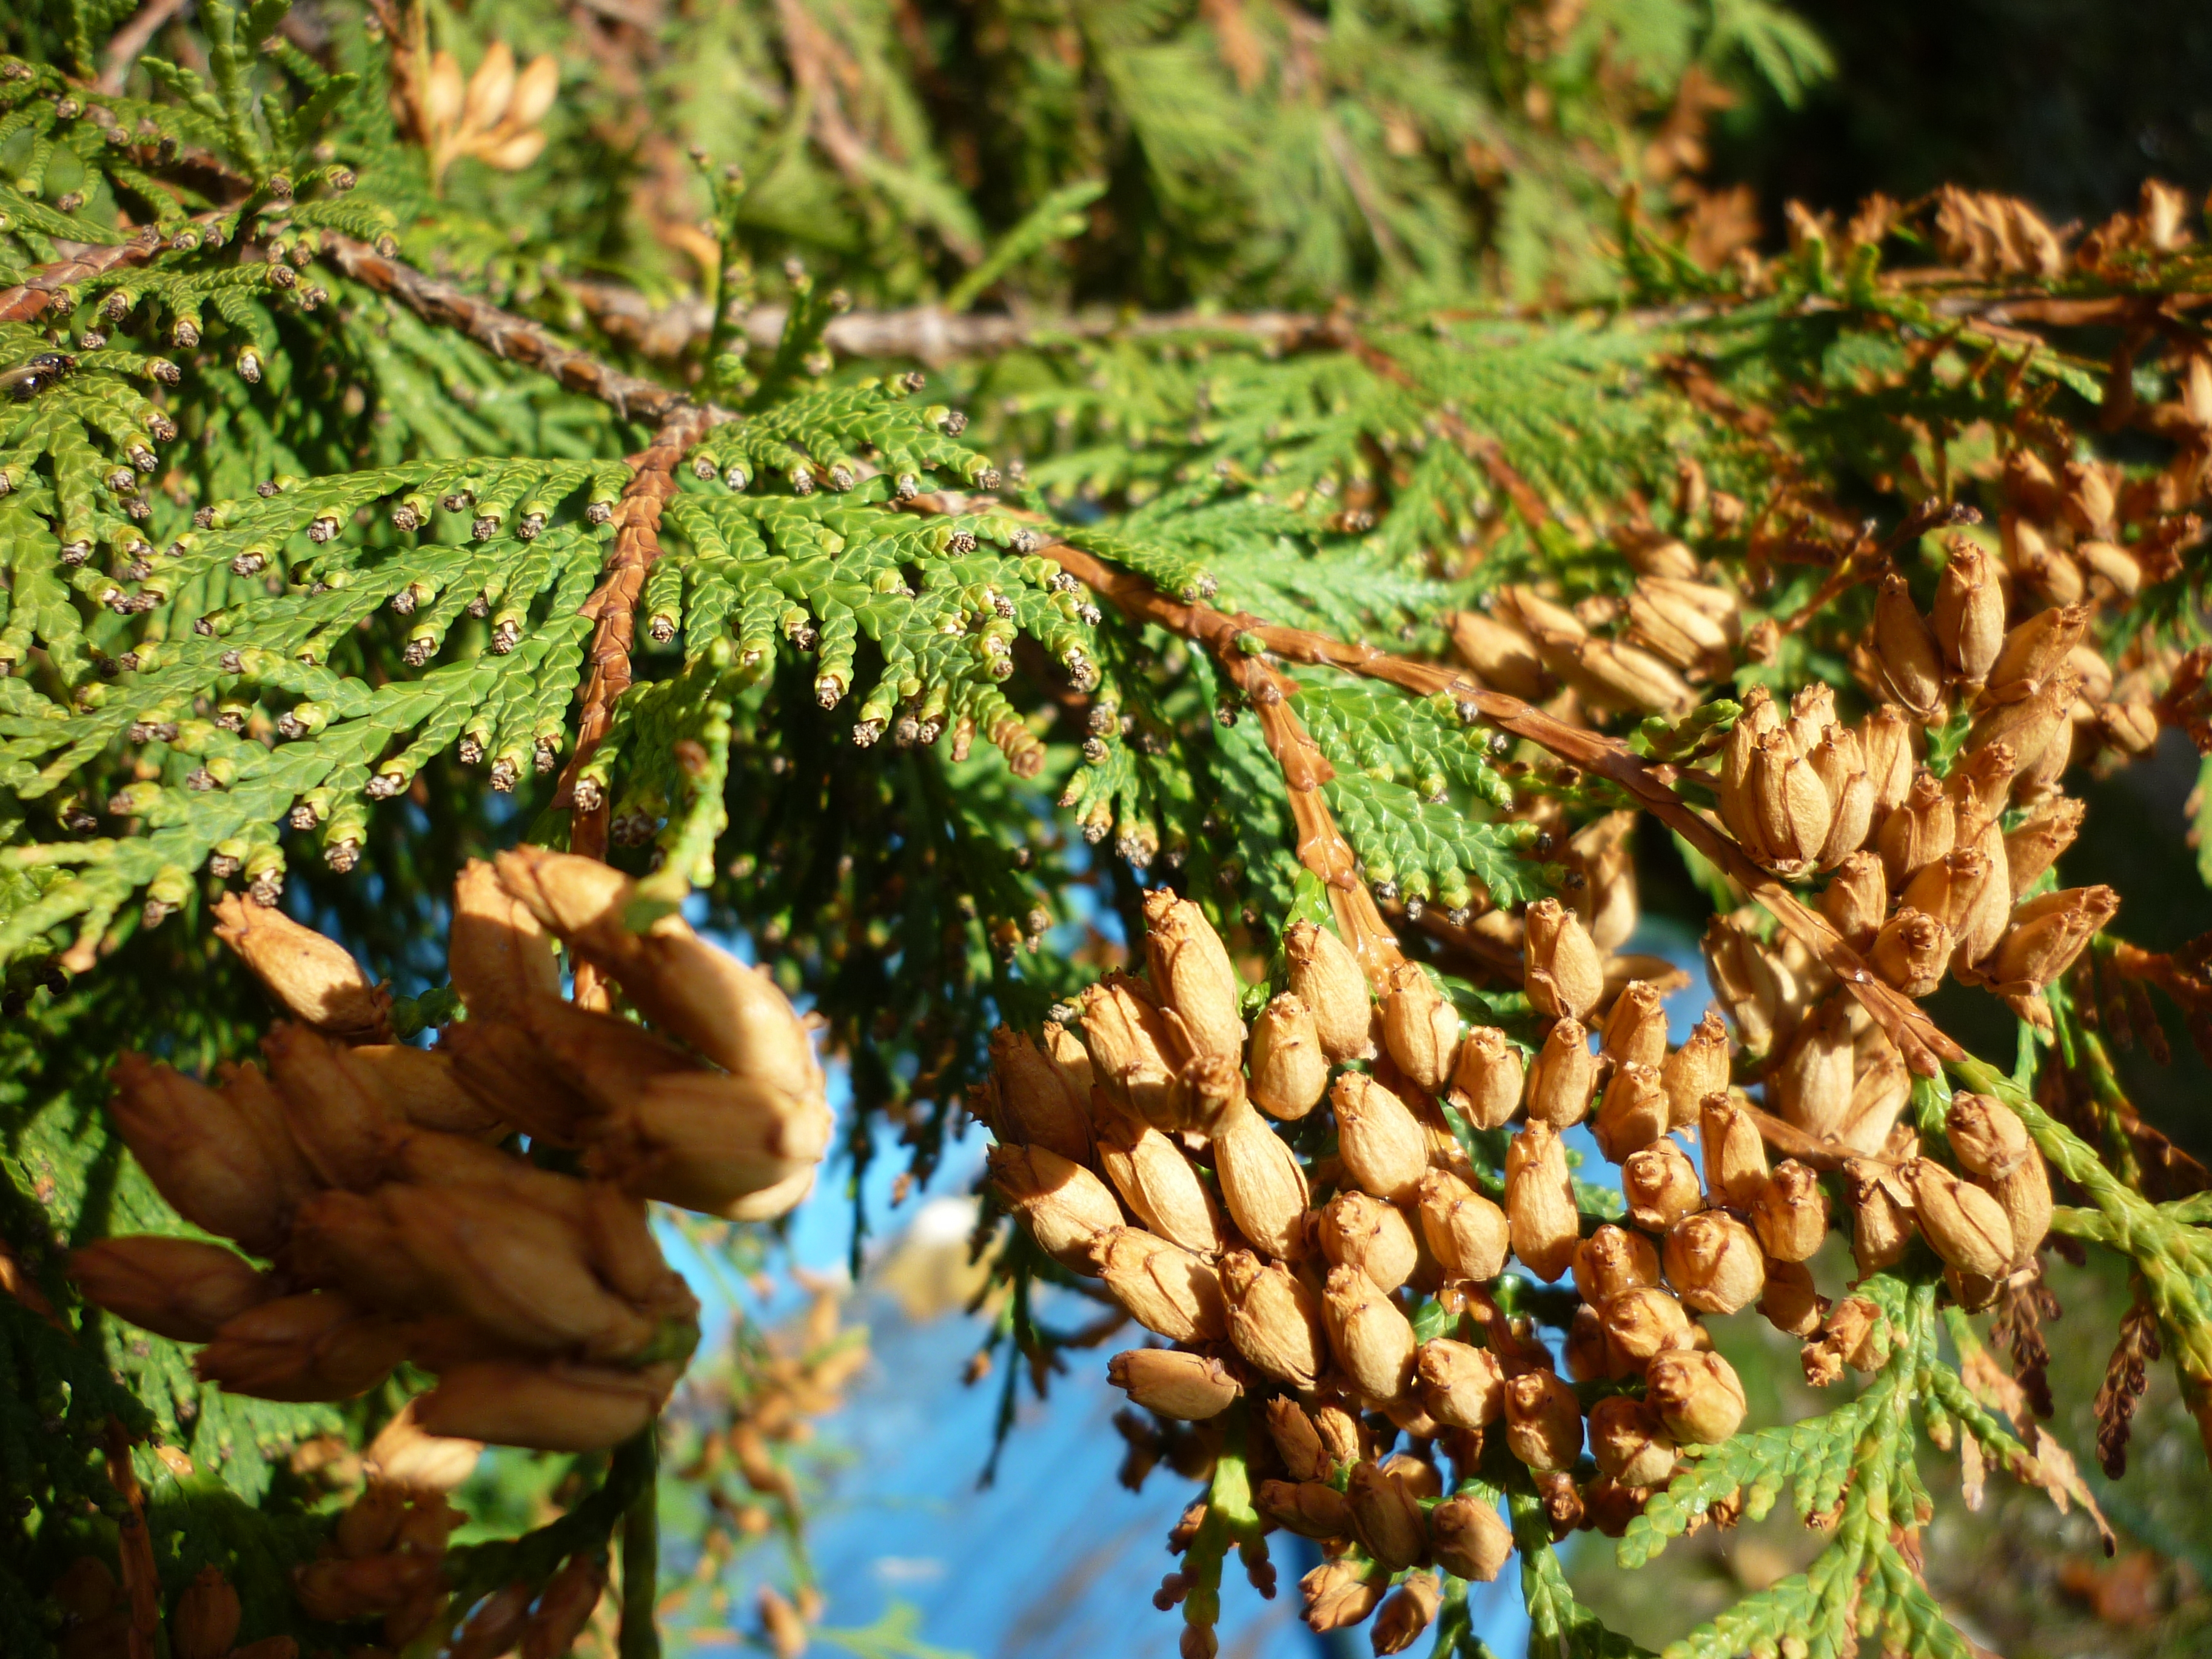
(371, 1176)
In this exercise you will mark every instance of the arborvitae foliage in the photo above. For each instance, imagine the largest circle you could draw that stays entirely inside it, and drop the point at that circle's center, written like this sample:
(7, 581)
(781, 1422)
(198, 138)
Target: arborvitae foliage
(379, 496)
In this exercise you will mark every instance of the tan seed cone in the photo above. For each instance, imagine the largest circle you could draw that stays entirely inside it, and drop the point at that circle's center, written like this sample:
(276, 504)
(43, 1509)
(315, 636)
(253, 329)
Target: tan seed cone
(1359, 1231)
(205, 1625)
(2036, 845)
(1068, 1057)
(1632, 1113)
(316, 1347)
(1565, 975)
(1275, 1319)
(1840, 762)
(1190, 970)
(713, 1143)
(1699, 1068)
(2047, 935)
(556, 1407)
(1911, 668)
(1031, 1103)
(350, 1242)
(605, 1058)
(1857, 899)
(1613, 1260)
(1699, 1399)
(1208, 1092)
(1630, 1443)
(1370, 1336)
(1340, 1594)
(1882, 1229)
(1289, 1072)
(1298, 1442)
(1635, 1027)
(1989, 1138)
(1643, 1321)
(1912, 951)
(1420, 1028)
(1379, 1141)
(1962, 1223)
(1606, 901)
(1790, 1304)
(1789, 804)
(1565, 1073)
(404, 1458)
(1165, 1290)
(1310, 1508)
(1879, 1094)
(1262, 1184)
(1754, 985)
(1715, 1262)
(1130, 1047)
(223, 1170)
(1159, 1183)
(335, 1591)
(2033, 725)
(346, 1131)
(1326, 976)
(570, 1598)
(499, 954)
(1488, 1079)
(1969, 611)
(1063, 1204)
(1405, 1614)
(1589, 1358)
(1543, 1421)
(1466, 1233)
(1188, 1386)
(1461, 1387)
(511, 1073)
(1980, 789)
(1471, 1540)
(1501, 656)
(1540, 1201)
(421, 1086)
(1661, 1185)
(2032, 651)
(1790, 1214)
(1814, 1085)
(1890, 745)
(1736, 1156)
(1386, 1517)
(1342, 1432)
(178, 1288)
(316, 979)
(1921, 831)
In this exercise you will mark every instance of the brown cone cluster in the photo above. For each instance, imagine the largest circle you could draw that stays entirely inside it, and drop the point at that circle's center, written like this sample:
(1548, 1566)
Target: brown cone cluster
(370, 1178)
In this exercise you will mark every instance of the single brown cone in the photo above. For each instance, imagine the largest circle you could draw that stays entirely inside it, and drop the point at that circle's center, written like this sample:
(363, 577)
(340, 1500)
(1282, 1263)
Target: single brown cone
(1564, 1075)
(1208, 1092)
(1379, 1141)
(1840, 762)
(316, 1346)
(2047, 935)
(405, 1459)
(315, 978)
(178, 1288)
(1310, 1508)
(499, 954)
(1152, 1173)
(1630, 1443)
(1969, 610)
(1262, 1184)
(1297, 1441)
(1470, 1539)
(346, 1130)
(548, 1406)
(1565, 975)
(1190, 1387)
(205, 1625)
(1131, 1052)
(1697, 1069)
(1165, 1290)
(1857, 899)
(1488, 1080)
(2035, 846)
(1922, 830)
(2033, 651)
(1643, 1321)
(1790, 1302)
(510, 1072)
(1813, 1086)
(1386, 1517)
(1326, 976)
(1461, 1387)
(1275, 1319)
(1420, 1028)
(1289, 1071)
(1882, 1229)
(1063, 1204)
(221, 1163)
(1789, 1212)
(1543, 1421)
(1540, 1201)
(341, 1591)
(1468, 1234)
(1359, 1231)
(1369, 1335)
(1735, 1153)
(421, 1086)
(1962, 1223)
(1697, 1394)
(715, 1143)
(1660, 1186)
(1501, 656)
(1191, 972)
(1030, 1102)
(1890, 745)
(1911, 668)
(570, 1597)
(1635, 1027)
(1632, 1113)
(1613, 1260)
(1913, 952)
(1340, 1594)
(1405, 1614)
(1715, 1262)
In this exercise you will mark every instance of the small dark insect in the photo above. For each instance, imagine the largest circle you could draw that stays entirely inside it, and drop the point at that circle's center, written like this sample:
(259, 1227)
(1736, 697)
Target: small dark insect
(27, 379)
